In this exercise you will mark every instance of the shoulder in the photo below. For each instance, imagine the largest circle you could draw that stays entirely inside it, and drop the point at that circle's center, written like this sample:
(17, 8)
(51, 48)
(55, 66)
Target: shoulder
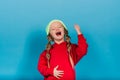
(43, 53)
(73, 45)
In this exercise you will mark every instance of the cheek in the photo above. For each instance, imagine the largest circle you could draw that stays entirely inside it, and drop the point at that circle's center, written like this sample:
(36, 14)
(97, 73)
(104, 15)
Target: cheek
(52, 33)
(63, 32)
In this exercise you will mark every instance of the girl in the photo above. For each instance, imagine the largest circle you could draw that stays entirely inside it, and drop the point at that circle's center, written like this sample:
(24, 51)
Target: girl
(57, 61)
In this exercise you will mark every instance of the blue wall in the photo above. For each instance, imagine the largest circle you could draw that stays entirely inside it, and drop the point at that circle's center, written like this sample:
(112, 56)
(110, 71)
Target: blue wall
(23, 37)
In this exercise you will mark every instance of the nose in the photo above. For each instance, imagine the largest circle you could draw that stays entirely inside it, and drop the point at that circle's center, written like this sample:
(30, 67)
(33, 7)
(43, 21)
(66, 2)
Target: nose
(57, 29)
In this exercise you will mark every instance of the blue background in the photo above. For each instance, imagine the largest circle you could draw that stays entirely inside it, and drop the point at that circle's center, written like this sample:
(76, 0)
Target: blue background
(23, 37)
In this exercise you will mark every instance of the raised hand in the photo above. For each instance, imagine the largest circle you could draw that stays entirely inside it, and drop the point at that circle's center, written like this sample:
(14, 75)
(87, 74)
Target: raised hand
(57, 73)
(77, 28)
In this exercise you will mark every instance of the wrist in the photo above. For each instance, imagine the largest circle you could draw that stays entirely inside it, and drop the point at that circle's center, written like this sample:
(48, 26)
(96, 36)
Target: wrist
(79, 33)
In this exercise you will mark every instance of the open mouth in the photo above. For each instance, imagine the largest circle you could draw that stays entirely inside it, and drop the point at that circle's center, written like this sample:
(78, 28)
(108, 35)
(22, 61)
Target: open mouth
(58, 33)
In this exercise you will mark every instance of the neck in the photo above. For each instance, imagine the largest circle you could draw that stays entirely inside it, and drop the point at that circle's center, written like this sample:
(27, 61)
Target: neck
(59, 41)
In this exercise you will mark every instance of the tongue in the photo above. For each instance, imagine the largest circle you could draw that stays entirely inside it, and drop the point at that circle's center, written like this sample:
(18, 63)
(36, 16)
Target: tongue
(58, 33)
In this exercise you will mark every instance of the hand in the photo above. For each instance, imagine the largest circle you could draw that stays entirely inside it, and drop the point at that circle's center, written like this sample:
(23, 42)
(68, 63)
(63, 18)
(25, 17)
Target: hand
(77, 28)
(57, 73)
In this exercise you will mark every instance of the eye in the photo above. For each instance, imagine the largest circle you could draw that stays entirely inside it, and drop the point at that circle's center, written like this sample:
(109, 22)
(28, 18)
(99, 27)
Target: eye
(60, 27)
(52, 29)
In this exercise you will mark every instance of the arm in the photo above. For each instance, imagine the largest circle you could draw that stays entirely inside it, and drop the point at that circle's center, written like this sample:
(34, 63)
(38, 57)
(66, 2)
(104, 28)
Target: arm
(43, 66)
(45, 71)
(80, 49)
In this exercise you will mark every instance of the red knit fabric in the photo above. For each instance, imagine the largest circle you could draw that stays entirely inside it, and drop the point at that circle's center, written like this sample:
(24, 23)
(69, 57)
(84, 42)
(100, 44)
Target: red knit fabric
(59, 56)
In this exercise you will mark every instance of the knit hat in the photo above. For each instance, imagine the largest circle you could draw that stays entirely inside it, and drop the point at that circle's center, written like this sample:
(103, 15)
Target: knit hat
(55, 20)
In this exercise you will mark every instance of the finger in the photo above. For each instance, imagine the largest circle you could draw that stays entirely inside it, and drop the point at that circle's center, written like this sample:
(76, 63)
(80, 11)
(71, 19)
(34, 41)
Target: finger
(60, 71)
(56, 66)
(57, 77)
(76, 25)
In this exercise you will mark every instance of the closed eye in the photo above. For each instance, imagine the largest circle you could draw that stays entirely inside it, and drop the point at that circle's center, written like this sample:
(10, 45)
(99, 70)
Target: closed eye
(52, 29)
(60, 27)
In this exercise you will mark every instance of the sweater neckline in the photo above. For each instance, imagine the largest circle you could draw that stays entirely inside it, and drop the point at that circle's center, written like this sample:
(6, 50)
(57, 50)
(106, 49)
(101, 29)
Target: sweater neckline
(62, 43)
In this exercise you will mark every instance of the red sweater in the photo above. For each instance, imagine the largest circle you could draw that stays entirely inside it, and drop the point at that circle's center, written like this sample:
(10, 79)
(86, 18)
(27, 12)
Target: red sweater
(59, 56)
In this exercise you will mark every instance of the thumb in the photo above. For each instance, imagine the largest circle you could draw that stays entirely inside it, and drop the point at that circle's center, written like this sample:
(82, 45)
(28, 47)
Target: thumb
(56, 66)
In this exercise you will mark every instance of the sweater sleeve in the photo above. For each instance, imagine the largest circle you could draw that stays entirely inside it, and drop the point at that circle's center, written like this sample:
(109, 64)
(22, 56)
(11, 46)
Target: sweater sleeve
(80, 49)
(42, 65)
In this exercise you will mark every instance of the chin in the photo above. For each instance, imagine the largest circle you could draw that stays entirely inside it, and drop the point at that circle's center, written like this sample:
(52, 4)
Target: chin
(59, 38)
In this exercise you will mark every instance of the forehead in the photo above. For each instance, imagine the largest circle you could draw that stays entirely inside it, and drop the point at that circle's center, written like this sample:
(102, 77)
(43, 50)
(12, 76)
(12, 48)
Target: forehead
(55, 24)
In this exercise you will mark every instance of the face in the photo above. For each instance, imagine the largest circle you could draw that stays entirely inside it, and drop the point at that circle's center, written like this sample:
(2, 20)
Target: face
(57, 31)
